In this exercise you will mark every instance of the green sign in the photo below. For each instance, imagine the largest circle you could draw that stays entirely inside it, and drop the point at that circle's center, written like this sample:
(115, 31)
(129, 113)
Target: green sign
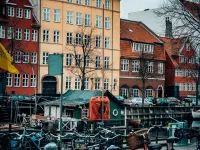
(55, 64)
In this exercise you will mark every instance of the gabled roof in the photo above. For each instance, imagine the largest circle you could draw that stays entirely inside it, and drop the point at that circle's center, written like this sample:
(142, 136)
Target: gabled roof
(193, 8)
(138, 32)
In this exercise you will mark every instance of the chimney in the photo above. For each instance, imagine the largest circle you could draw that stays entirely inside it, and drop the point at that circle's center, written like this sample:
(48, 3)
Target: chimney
(168, 30)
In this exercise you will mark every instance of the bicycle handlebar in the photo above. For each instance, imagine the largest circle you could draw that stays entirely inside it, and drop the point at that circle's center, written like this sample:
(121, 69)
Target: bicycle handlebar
(155, 127)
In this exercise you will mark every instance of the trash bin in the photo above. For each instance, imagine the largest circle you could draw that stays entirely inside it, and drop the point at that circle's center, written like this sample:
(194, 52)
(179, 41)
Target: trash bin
(172, 127)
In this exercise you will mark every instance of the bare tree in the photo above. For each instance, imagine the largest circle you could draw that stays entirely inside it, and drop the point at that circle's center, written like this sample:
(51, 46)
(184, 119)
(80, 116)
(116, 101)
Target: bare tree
(185, 17)
(83, 51)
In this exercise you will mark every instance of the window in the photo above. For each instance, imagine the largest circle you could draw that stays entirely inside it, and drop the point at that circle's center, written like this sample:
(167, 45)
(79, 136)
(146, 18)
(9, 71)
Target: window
(98, 62)
(27, 13)
(69, 59)
(69, 17)
(124, 65)
(115, 84)
(87, 2)
(135, 92)
(69, 37)
(135, 65)
(68, 83)
(17, 80)
(79, 18)
(77, 83)
(79, 1)
(78, 38)
(107, 4)
(87, 61)
(34, 35)
(34, 58)
(106, 62)
(97, 84)
(10, 32)
(98, 3)
(78, 60)
(106, 84)
(56, 37)
(26, 57)
(33, 80)
(146, 48)
(25, 80)
(19, 34)
(87, 20)
(45, 58)
(188, 47)
(46, 14)
(56, 15)
(84, 113)
(107, 42)
(2, 32)
(150, 67)
(160, 68)
(19, 13)
(98, 41)
(17, 57)
(87, 40)
(45, 35)
(26, 34)
(124, 92)
(181, 59)
(9, 80)
(86, 81)
(11, 11)
(107, 23)
(98, 21)
(149, 92)
(70, 1)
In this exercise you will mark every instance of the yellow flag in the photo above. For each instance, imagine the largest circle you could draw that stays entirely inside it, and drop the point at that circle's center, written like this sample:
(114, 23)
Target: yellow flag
(6, 61)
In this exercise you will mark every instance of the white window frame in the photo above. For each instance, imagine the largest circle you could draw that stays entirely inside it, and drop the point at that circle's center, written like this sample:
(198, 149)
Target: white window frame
(17, 57)
(27, 34)
(107, 42)
(78, 38)
(56, 15)
(9, 80)
(68, 59)
(86, 82)
(33, 58)
(87, 20)
(25, 80)
(84, 113)
(79, 2)
(124, 92)
(98, 41)
(98, 21)
(87, 61)
(46, 35)
(98, 62)
(17, 80)
(187, 46)
(97, 83)
(33, 81)
(107, 23)
(149, 92)
(46, 14)
(135, 66)
(34, 35)
(181, 59)
(115, 84)
(56, 36)
(11, 11)
(69, 1)
(150, 67)
(135, 92)
(78, 18)
(69, 38)
(19, 13)
(69, 17)
(77, 83)
(107, 62)
(68, 83)
(160, 68)
(45, 56)
(10, 32)
(87, 2)
(107, 4)
(78, 59)
(25, 57)
(124, 65)
(98, 3)
(106, 84)
(27, 13)
(2, 32)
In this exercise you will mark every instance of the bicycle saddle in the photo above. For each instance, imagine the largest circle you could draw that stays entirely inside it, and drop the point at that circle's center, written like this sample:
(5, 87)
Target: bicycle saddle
(154, 146)
(172, 140)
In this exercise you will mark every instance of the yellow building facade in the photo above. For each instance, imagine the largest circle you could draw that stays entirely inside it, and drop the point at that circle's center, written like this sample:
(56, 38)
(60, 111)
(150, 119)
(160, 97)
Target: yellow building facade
(60, 22)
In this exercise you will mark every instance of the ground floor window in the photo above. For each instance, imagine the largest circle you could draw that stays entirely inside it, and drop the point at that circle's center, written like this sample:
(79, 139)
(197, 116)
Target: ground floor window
(149, 92)
(84, 113)
(135, 92)
(124, 92)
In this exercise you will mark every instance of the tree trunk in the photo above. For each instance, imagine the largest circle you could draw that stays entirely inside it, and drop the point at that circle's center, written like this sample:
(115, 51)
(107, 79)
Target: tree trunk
(143, 93)
(83, 82)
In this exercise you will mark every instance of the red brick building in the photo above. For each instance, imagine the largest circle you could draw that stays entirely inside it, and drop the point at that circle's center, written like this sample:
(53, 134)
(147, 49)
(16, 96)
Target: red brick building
(181, 67)
(19, 33)
(142, 51)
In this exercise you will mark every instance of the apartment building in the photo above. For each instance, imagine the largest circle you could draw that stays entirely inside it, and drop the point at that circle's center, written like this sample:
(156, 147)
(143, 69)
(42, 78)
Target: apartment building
(61, 21)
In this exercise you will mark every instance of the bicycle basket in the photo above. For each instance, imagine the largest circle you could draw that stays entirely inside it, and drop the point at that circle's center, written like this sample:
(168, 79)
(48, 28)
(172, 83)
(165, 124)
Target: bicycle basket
(138, 139)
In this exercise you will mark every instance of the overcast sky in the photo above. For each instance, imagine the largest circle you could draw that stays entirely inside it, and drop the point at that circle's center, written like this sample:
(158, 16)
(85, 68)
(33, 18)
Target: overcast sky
(128, 6)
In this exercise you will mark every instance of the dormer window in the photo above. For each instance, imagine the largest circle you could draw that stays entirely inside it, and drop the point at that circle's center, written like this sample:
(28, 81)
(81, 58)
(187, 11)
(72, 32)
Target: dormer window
(146, 48)
(188, 47)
